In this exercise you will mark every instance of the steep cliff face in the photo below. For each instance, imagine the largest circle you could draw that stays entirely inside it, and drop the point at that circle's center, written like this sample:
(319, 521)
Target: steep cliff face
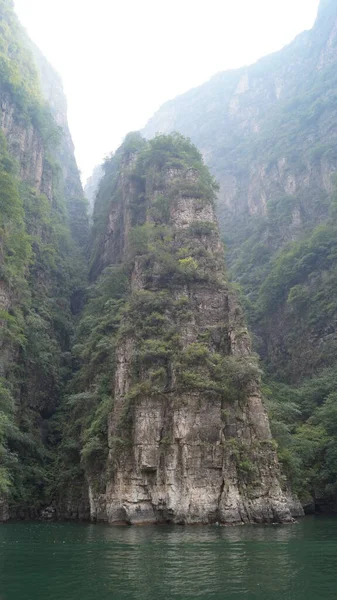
(265, 130)
(40, 262)
(268, 132)
(184, 436)
(92, 185)
(53, 93)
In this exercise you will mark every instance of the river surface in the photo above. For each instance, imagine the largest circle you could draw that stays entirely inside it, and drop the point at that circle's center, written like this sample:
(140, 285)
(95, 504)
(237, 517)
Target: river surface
(96, 562)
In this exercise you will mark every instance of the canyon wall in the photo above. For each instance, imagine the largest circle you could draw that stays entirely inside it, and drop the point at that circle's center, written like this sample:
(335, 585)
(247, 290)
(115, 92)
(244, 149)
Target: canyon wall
(188, 439)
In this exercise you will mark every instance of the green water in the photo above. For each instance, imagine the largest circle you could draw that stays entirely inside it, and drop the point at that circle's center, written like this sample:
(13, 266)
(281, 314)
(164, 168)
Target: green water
(87, 562)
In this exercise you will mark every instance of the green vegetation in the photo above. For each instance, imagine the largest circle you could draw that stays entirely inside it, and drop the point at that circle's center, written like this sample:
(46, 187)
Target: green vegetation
(19, 79)
(229, 376)
(15, 246)
(57, 372)
(41, 270)
(270, 139)
(83, 419)
(304, 424)
(290, 294)
(142, 304)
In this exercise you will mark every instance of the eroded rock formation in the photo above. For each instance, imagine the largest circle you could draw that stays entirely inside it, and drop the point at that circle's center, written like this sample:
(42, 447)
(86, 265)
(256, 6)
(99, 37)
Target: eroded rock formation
(41, 208)
(188, 436)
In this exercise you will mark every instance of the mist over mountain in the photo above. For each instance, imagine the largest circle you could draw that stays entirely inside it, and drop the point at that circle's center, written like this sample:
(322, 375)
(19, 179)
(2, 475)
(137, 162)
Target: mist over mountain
(129, 388)
(268, 134)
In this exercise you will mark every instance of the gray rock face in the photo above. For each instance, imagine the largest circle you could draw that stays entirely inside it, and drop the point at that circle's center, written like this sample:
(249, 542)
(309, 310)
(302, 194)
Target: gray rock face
(182, 468)
(189, 456)
(263, 136)
(54, 96)
(34, 152)
(74, 505)
(270, 137)
(24, 144)
(92, 185)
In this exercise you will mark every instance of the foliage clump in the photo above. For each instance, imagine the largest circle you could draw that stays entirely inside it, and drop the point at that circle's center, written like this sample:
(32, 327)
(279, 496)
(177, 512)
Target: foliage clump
(41, 270)
(141, 298)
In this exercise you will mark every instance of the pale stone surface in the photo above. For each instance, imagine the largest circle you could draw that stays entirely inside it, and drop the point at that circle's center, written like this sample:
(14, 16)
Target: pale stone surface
(181, 464)
(24, 144)
(236, 105)
(188, 210)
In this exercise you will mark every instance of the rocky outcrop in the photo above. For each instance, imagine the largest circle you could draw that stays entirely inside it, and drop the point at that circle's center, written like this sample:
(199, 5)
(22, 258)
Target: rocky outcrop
(269, 137)
(267, 130)
(92, 185)
(41, 201)
(64, 150)
(26, 145)
(188, 443)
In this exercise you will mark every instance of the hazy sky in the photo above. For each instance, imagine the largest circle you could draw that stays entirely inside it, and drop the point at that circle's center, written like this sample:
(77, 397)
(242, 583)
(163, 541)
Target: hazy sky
(121, 59)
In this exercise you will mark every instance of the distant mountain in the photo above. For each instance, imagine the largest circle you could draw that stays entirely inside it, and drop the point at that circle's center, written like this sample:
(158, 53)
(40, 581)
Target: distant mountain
(269, 134)
(92, 185)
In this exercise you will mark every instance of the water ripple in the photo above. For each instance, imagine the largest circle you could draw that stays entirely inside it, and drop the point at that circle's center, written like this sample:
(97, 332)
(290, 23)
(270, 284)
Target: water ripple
(85, 562)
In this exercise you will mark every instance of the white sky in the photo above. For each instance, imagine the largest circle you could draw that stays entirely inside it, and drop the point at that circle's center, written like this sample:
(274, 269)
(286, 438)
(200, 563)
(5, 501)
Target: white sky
(121, 59)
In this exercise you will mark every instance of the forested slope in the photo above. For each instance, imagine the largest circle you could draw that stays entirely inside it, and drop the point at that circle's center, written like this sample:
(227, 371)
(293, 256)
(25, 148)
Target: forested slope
(164, 421)
(268, 132)
(42, 221)
(128, 390)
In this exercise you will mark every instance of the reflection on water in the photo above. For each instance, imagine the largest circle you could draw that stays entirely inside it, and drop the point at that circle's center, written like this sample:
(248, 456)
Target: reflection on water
(87, 562)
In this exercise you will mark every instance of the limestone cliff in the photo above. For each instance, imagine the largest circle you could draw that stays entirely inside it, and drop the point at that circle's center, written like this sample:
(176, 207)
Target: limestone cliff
(187, 437)
(268, 133)
(91, 187)
(265, 130)
(43, 229)
(53, 93)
